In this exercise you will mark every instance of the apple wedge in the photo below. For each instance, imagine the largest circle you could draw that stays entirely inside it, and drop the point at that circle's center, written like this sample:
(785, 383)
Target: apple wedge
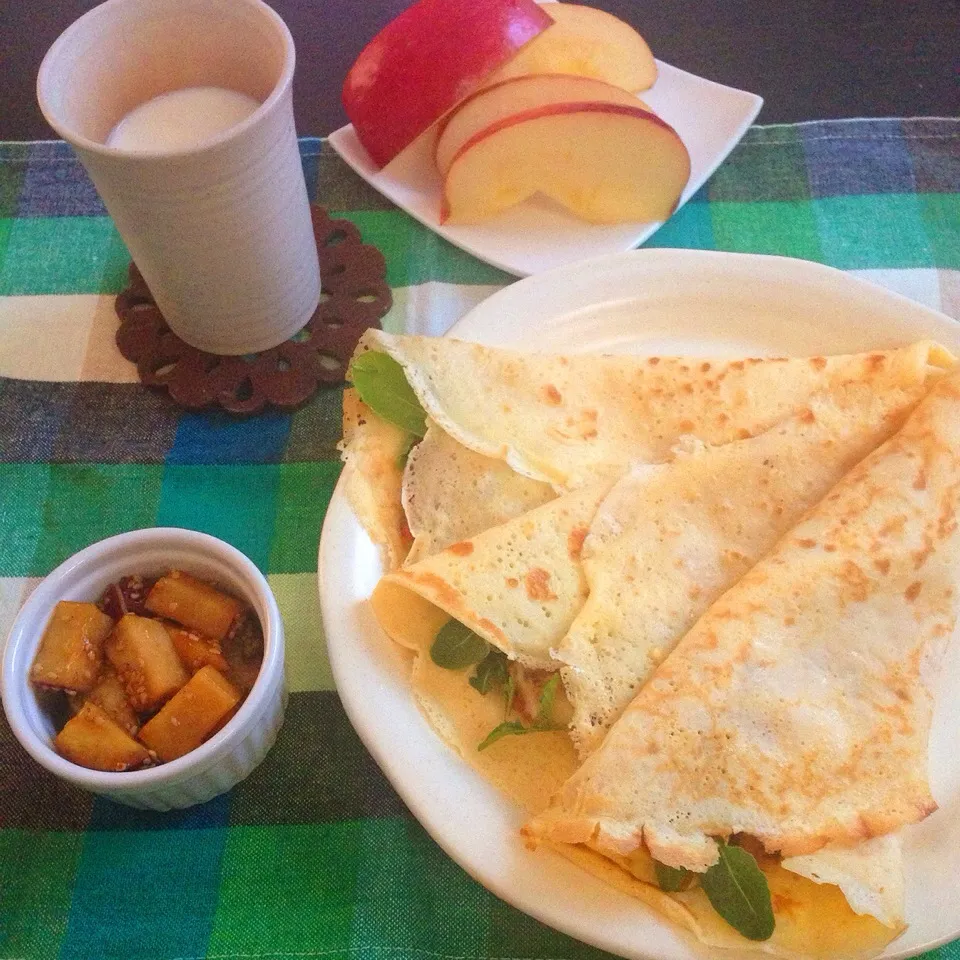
(588, 42)
(428, 59)
(495, 103)
(605, 162)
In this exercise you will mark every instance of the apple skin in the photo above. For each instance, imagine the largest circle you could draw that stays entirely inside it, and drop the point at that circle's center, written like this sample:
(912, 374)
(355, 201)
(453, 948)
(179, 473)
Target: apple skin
(508, 97)
(427, 60)
(606, 162)
(588, 42)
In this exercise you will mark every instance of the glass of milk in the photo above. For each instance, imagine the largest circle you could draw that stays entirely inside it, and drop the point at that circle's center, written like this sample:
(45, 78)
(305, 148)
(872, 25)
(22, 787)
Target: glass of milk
(181, 111)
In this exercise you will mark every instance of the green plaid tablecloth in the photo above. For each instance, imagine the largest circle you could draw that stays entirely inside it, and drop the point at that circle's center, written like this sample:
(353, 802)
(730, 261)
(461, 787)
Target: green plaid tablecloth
(315, 855)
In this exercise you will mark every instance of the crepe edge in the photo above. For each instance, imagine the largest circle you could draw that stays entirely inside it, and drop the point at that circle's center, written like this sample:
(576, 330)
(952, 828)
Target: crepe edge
(372, 478)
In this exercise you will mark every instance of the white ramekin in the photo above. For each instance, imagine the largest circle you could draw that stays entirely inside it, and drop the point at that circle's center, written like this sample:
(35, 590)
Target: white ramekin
(227, 757)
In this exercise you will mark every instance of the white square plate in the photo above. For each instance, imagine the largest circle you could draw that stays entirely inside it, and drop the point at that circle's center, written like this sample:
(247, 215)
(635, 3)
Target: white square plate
(538, 234)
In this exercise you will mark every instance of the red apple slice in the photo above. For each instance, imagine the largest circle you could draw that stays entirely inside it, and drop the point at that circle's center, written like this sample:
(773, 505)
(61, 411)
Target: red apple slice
(426, 61)
(588, 42)
(491, 104)
(606, 162)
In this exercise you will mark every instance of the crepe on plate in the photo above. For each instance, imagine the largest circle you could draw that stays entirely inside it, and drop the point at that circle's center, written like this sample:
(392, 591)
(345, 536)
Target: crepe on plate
(797, 709)
(451, 493)
(813, 920)
(669, 539)
(604, 582)
(413, 504)
(512, 406)
(372, 477)
(716, 510)
(567, 420)
(762, 485)
(518, 585)
(436, 692)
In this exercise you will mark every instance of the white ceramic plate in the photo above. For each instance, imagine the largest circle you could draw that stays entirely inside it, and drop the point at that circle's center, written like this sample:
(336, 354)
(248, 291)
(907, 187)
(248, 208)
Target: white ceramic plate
(538, 234)
(651, 301)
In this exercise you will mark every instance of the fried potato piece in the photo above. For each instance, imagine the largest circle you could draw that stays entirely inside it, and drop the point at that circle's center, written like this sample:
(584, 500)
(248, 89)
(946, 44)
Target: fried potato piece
(71, 650)
(191, 715)
(91, 739)
(196, 651)
(146, 662)
(110, 696)
(194, 604)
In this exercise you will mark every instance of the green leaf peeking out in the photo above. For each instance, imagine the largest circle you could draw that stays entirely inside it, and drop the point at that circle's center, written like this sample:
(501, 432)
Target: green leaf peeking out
(542, 723)
(739, 892)
(492, 672)
(509, 689)
(504, 729)
(384, 388)
(456, 646)
(408, 444)
(547, 695)
(672, 879)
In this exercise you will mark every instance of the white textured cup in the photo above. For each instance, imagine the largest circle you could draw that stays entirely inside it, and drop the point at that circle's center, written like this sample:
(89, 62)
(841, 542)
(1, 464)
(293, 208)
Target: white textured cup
(222, 232)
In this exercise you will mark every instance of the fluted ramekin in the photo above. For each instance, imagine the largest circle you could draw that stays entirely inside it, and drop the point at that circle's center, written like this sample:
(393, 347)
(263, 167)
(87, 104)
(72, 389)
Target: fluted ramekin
(216, 765)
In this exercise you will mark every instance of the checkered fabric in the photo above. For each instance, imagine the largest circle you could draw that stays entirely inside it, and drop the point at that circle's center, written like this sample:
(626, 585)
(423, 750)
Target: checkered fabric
(315, 855)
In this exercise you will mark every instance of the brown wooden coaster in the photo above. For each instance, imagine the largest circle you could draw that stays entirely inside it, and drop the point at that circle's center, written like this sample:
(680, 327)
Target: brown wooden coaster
(355, 297)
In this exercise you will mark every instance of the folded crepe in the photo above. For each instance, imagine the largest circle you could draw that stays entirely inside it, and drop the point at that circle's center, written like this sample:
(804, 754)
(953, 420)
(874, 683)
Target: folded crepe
(813, 917)
(518, 585)
(666, 541)
(797, 710)
(451, 493)
(813, 921)
(732, 402)
(670, 539)
(372, 454)
(870, 875)
(415, 502)
(568, 420)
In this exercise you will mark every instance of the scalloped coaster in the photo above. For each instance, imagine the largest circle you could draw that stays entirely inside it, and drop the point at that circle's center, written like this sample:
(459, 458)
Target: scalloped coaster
(354, 297)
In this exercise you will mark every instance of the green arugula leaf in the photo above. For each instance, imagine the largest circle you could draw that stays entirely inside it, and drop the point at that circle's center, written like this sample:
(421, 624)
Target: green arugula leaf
(492, 672)
(541, 724)
(456, 646)
(739, 892)
(509, 689)
(515, 727)
(384, 388)
(672, 879)
(505, 729)
(547, 695)
(408, 444)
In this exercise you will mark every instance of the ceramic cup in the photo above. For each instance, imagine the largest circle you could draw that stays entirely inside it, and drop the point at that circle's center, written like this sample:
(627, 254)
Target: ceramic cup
(220, 232)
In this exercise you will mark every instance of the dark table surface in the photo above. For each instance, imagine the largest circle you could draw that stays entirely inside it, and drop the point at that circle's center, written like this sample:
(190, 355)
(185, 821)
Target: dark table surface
(809, 59)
